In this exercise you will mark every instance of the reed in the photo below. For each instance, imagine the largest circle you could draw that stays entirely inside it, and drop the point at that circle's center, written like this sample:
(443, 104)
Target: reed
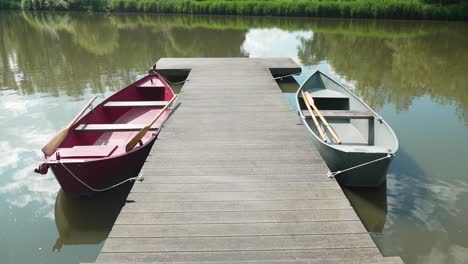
(392, 9)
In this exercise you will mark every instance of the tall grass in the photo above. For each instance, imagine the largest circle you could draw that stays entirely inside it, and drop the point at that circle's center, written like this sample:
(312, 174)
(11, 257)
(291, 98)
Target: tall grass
(9, 4)
(393, 9)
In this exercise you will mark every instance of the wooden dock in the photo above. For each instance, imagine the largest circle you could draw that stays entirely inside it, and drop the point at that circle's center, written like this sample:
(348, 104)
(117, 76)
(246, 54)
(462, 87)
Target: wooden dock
(235, 178)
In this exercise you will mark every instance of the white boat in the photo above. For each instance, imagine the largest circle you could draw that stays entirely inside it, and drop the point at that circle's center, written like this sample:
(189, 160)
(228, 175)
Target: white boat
(365, 142)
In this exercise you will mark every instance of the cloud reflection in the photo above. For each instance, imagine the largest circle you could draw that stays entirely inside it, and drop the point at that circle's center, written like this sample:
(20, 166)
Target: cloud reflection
(274, 43)
(26, 128)
(25, 187)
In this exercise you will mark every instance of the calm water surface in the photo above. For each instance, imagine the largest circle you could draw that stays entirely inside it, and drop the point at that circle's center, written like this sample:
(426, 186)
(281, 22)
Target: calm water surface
(414, 73)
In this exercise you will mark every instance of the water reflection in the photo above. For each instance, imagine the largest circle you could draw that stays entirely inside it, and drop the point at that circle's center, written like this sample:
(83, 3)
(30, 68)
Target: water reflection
(24, 127)
(390, 61)
(398, 69)
(370, 205)
(425, 215)
(264, 42)
(411, 72)
(87, 220)
(68, 53)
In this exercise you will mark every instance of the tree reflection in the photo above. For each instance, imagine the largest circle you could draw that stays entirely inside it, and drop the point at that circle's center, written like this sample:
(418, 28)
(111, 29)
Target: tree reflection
(397, 70)
(58, 53)
(390, 61)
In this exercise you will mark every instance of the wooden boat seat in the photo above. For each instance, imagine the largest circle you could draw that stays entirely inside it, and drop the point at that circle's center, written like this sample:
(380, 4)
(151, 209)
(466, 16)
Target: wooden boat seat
(93, 151)
(340, 114)
(153, 83)
(134, 104)
(362, 148)
(347, 132)
(110, 127)
(325, 93)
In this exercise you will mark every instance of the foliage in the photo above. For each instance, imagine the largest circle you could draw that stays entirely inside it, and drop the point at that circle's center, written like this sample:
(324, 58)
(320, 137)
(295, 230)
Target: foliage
(394, 9)
(9, 4)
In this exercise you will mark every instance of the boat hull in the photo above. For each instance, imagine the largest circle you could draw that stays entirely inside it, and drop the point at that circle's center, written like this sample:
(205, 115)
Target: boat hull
(93, 156)
(371, 175)
(102, 173)
(367, 142)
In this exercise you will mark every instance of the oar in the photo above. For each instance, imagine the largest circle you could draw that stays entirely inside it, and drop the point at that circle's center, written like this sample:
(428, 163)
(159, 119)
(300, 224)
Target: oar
(132, 143)
(319, 128)
(53, 144)
(332, 133)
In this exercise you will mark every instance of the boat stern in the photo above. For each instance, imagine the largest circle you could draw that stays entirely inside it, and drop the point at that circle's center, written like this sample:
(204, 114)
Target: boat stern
(42, 169)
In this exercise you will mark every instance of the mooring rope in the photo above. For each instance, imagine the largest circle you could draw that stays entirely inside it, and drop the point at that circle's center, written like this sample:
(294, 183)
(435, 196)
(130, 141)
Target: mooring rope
(293, 74)
(333, 174)
(289, 75)
(137, 178)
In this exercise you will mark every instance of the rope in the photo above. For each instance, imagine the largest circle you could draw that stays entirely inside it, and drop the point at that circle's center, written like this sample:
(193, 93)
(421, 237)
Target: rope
(333, 174)
(289, 75)
(138, 178)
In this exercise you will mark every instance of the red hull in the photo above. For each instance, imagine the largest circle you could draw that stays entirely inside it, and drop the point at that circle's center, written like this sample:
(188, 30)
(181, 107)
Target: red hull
(100, 174)
(94, 149)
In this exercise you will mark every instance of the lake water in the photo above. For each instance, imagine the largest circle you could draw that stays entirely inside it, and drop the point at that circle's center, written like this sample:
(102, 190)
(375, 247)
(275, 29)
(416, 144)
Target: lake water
(413, 73)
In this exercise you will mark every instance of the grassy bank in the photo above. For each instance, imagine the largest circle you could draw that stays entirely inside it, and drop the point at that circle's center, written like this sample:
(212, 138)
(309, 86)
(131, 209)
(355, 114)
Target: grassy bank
(392, 9)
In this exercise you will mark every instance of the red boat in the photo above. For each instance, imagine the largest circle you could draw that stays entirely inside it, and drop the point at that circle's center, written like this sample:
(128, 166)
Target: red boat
(109, 145)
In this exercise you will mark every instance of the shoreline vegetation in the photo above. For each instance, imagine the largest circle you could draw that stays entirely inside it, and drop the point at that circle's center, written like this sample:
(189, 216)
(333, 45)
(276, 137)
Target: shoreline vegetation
(381, 9)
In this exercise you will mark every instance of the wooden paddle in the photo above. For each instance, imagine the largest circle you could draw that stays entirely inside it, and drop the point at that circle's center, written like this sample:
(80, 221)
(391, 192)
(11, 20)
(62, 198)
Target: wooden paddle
(132, 143)
(319, 128)
(332, 133)
(53, 144)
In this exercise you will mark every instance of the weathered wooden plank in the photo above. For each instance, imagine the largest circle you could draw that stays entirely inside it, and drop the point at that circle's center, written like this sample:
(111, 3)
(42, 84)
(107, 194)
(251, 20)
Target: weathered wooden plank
(261, 143)
(228, 88)
(225, 123)
(232, 138)
(233, 98)
(250, 229)
(348, 260)
(238, 119)
(237, 243)
(235, 187)
(222, 139)
(213, 102)
(161, 178)
(237, 196)
(305, 171)
(234, 133)
(153, 218)
(282, 158)
(234, 151)
(331, 114)
(210, 109)
(236, 206)
(256, 123)
(233, 163)
(290, 145)
(339, 254)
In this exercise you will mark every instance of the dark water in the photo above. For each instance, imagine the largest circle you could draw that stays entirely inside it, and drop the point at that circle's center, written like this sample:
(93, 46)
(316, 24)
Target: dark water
(414, 73)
